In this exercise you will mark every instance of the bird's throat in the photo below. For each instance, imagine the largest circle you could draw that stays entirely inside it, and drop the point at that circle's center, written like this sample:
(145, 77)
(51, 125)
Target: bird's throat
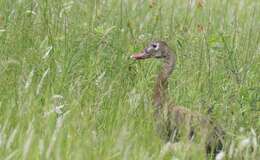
(162, 80)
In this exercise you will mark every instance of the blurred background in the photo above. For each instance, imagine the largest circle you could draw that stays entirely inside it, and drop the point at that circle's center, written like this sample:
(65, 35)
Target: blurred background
(69, 90)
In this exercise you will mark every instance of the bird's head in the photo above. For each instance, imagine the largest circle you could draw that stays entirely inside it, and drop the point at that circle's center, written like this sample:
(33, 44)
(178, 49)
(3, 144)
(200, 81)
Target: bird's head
(156, 49)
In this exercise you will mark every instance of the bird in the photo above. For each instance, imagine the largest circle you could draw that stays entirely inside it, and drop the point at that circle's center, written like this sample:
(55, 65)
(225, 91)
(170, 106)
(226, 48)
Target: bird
(175, 123)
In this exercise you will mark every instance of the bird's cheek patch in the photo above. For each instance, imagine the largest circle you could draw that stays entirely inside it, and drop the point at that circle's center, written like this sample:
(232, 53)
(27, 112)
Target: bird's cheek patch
(157, 46)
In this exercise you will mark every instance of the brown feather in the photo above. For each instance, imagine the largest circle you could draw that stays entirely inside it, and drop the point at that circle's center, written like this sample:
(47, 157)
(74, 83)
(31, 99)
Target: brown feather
(175, 122)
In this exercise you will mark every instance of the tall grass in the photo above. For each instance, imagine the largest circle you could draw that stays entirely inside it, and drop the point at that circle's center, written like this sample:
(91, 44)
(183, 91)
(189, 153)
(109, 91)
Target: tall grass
(68, 89)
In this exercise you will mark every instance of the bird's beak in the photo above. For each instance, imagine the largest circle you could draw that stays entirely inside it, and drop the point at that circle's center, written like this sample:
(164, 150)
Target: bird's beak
(140, 55)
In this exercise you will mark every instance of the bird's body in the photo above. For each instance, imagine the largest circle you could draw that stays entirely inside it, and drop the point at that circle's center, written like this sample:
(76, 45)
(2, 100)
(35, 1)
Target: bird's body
(173, 122)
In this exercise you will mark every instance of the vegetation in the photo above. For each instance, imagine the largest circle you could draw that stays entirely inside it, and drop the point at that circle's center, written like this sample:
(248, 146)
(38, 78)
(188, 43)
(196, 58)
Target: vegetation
(69, 90)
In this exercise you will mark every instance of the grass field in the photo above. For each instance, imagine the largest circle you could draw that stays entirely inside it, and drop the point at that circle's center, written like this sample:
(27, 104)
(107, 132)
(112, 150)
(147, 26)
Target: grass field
(68, 89)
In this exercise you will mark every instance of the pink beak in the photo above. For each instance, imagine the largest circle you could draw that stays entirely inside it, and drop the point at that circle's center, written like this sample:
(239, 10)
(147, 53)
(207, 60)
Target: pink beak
(138, 56)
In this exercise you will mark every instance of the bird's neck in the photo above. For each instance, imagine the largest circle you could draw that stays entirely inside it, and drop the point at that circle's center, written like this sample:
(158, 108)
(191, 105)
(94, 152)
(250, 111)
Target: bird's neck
(162, 80)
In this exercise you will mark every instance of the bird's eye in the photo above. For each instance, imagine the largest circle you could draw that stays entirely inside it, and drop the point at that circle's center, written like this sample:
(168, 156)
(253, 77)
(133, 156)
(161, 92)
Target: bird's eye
(154, 45)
